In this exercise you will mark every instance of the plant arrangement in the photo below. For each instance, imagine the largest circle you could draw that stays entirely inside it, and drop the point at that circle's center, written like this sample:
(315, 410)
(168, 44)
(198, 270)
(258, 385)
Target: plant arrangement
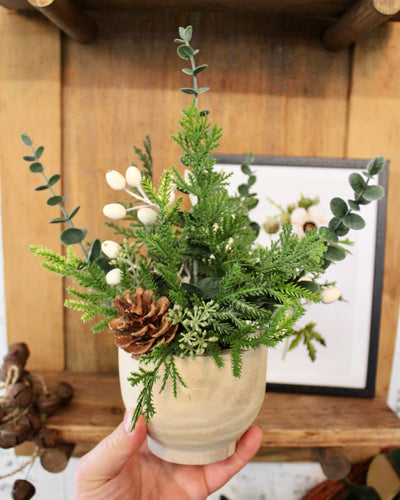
(193, 282)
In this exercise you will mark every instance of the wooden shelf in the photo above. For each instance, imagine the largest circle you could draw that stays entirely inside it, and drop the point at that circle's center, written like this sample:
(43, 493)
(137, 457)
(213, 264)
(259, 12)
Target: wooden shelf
(293, 424)
(346, 20)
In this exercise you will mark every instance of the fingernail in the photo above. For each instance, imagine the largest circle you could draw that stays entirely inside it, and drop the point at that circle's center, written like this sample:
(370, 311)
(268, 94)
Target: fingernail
(128, 421)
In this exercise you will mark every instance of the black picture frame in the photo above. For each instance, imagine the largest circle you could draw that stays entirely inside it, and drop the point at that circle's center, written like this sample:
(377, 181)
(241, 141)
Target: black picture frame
(295, 171)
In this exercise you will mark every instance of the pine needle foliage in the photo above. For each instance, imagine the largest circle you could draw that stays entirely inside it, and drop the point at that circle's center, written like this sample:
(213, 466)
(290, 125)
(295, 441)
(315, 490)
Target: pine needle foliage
(225, 291)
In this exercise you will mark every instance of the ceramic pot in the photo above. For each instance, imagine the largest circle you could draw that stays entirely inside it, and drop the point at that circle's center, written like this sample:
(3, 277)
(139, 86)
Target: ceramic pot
(203, 424)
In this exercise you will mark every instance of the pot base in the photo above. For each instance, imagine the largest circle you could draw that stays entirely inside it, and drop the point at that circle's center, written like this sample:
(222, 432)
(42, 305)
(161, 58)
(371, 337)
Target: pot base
(190, 457)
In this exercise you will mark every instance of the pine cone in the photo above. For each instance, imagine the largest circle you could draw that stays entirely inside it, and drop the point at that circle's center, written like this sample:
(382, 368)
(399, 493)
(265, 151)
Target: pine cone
(141, 324)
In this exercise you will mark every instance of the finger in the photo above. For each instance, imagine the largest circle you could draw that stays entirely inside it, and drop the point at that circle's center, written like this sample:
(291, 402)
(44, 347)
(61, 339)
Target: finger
(111, 454)
(216, 475)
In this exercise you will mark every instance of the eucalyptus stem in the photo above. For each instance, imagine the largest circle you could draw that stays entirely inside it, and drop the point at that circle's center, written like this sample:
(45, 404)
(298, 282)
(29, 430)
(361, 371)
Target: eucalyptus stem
(195, 83)
(63, 211)
(358, 197)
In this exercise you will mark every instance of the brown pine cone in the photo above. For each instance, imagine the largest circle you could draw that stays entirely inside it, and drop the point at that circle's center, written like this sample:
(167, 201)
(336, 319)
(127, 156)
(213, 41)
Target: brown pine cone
(141, 324)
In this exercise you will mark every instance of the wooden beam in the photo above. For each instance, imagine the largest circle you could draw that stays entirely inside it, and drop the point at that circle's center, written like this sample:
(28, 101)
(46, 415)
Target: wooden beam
(68, 17)
(360, 19)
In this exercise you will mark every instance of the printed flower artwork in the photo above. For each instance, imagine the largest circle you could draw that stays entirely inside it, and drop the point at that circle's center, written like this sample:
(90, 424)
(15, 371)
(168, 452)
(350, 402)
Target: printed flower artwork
(311, 218)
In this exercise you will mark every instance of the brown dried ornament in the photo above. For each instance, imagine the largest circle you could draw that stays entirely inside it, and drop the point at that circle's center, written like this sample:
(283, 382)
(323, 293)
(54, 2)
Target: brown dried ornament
(141, 324)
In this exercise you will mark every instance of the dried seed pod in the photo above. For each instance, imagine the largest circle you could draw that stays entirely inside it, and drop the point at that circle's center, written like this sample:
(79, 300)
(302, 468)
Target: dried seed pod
(56, 459)
(20, 351)
(31, 420)
(21, 394)
(48, 403)
(8, 363)
(22, 490)
(65, 392)
(13, 434)
(46, 438)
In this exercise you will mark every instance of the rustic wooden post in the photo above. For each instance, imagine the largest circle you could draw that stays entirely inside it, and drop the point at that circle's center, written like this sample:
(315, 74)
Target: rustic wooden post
(361, 18)
(67, 16)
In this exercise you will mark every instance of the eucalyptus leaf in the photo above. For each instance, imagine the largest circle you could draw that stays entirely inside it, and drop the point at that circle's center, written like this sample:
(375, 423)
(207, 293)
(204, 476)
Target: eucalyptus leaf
(376, 165)
(362, 201)
(186, 33)
(58, 220)
(186, 90)
(337, 226)
(245, 169)
(185, 52)
(54, 200)
(29, 158)
(187, 71)
(255, 227)
(372, 193)
(309, 285)
(252, 203)
(243, 189)
(53, 179)
(357, 183)
(104, 264)
(36, 167)
(252, 180)
(339, 207)
(334, 253)
(192, 290)
(95, 250)
(182, 32)
(42, 187)
(249, 158)
(209, 286)
(39, 152)
(353, 205)
(72, 235)
(203, 89)
(198, 69)
(354, 221)
(330, 236)
(26, 139)
(74, 212)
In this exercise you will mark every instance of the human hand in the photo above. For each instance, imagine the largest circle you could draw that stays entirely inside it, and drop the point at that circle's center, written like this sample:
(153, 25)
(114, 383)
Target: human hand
(121, 467)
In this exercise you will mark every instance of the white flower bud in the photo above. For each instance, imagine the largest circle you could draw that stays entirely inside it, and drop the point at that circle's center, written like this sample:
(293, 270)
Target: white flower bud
(193, 199)
(113, 277)
(110, 248)
(330, 295)
(114, 211)
(147, 216)
(133, 176)
(115, 180)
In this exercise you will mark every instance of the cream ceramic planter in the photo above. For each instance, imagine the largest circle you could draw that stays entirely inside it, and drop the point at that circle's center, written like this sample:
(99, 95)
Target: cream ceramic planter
(203, 424)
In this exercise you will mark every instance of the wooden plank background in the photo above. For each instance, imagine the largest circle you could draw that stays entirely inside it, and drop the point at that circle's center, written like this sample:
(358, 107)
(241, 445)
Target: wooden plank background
(275, 90)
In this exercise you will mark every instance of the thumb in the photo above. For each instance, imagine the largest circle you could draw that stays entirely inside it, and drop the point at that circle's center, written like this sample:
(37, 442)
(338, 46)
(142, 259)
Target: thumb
(111, 454)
